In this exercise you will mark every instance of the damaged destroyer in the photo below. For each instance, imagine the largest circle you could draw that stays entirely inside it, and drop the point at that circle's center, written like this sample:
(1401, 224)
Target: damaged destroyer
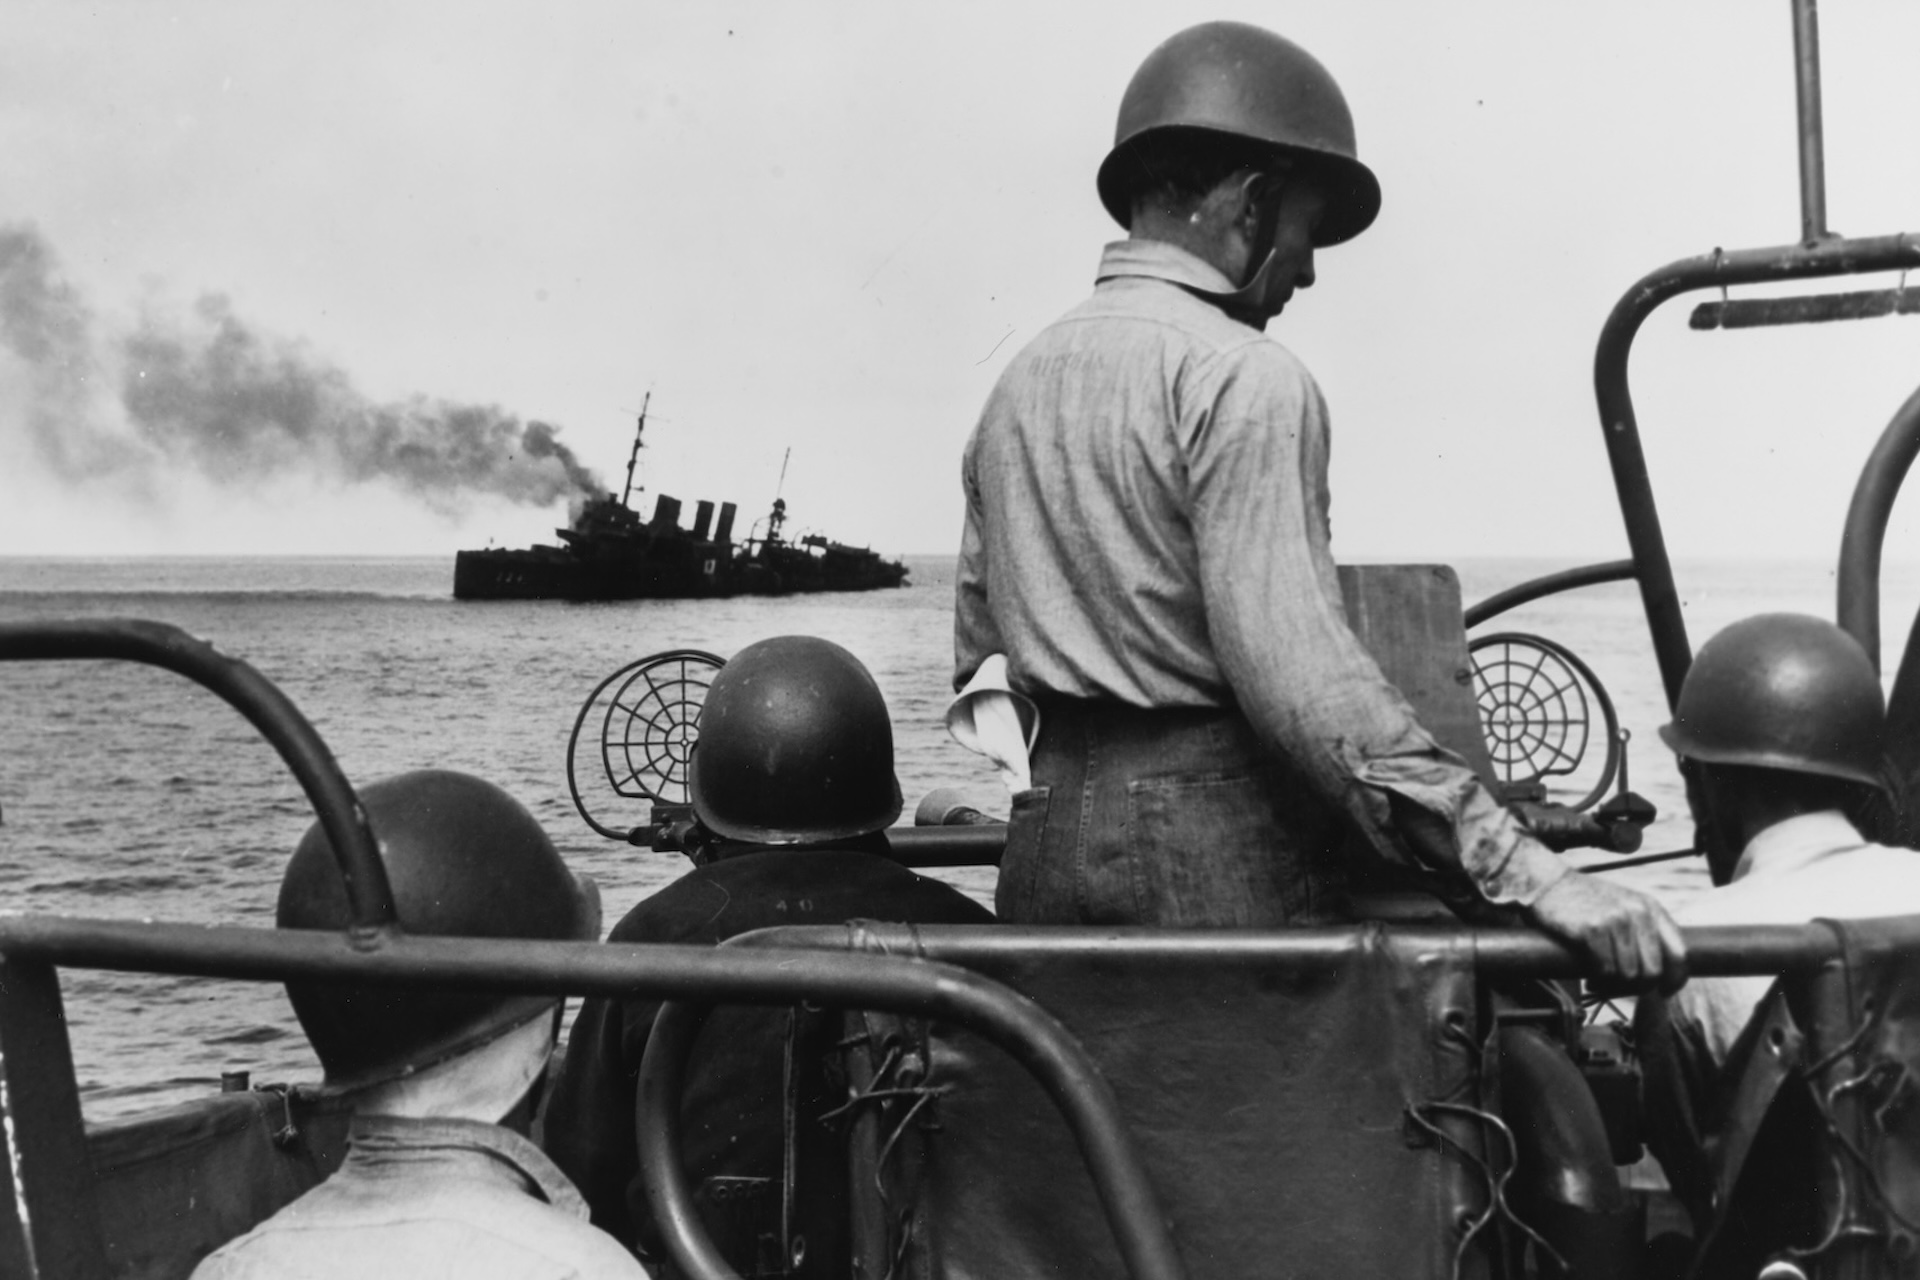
(610, 553)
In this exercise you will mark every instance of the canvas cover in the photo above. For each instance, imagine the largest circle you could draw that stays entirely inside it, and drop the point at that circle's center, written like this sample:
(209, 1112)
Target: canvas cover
(176, 1184)
(1309, 1124)
(1817, 1158)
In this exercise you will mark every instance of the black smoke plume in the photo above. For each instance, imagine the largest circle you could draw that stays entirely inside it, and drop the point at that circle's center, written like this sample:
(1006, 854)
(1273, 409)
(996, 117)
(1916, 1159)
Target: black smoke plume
(207, 390)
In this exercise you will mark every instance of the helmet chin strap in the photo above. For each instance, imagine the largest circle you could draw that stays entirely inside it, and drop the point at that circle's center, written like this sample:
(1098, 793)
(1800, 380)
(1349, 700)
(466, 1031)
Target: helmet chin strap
(1245, 303)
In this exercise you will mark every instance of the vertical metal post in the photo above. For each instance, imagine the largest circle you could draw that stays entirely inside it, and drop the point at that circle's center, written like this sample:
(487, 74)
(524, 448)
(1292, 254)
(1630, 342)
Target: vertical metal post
(1857, 594)
(1659, 596)
(1813, 162)
(49, 1226)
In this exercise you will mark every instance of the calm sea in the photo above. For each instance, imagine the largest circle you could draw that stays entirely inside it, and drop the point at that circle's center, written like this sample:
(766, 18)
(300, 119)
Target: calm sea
(127, 792)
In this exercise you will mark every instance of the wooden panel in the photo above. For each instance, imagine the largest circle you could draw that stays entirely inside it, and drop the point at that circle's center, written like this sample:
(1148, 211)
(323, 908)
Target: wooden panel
(1409, 618)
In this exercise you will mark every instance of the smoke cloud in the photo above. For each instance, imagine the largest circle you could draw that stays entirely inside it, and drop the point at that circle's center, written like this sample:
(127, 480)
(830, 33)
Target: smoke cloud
(205, 390)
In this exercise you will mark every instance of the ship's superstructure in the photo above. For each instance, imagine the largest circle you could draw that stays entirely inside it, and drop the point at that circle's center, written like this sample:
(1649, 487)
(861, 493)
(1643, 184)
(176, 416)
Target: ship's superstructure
(610, 553)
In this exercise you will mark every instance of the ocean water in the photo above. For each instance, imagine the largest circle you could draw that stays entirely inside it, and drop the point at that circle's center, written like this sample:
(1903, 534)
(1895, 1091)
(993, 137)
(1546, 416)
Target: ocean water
(129, 793)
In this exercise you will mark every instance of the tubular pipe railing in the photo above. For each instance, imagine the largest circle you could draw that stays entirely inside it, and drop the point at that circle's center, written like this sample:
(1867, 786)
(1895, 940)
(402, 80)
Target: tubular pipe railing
(1621, 429)
(810, 964)
(525, 967)
(707, 974)
(1857, 588)
(1028, 1034)
(369, 896)
(1806, 83)
(931, 987)
(1547, 585)
(663, 1067)
(1712, 951)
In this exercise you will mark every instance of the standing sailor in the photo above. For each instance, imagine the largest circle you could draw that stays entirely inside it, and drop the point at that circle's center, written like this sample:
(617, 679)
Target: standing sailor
(1147, 544)
(1780, 726)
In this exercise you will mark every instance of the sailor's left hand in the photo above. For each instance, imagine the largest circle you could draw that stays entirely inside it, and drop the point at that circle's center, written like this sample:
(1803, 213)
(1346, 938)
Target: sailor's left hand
(1629, 938)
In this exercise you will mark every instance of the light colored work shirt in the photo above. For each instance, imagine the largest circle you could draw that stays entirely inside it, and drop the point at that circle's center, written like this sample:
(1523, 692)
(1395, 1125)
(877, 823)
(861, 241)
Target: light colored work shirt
(1815, 866)
(430, 1198)
(1147, 524)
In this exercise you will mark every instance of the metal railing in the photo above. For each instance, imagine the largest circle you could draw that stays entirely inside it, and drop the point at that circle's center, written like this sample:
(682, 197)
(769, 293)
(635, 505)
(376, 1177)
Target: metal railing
(307, 757)
(1818, 253)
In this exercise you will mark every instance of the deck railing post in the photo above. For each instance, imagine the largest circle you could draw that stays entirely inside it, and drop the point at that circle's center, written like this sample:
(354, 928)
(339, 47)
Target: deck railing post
(1813, 162)
(49, 1222)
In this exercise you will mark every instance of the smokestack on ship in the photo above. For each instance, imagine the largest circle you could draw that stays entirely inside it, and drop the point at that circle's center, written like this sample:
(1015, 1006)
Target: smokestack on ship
(609, 553)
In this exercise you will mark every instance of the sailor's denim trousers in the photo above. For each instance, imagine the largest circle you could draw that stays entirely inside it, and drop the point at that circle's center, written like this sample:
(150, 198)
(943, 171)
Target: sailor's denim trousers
(1166, 817)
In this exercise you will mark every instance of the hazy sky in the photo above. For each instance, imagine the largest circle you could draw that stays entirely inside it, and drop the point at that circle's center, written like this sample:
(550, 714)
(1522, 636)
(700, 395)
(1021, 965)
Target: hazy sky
(827, 227)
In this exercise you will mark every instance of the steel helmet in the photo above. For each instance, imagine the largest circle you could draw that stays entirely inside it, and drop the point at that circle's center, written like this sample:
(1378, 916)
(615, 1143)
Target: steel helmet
(1241, 80)
(465, 860)
(795, 747)
(1783, 691)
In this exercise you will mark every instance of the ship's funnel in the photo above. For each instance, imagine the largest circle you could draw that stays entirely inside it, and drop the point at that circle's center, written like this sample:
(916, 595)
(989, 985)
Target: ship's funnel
(702, 517)
(666, 513)
(725, 532)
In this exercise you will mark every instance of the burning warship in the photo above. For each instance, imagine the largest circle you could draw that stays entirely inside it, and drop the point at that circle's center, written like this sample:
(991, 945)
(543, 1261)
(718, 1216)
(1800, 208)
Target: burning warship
(610, 553)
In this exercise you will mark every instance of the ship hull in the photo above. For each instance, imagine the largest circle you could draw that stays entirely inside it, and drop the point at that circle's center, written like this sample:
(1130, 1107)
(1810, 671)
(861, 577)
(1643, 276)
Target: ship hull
(531, 575)
(557, 575)
(787, 571)
(610, 554)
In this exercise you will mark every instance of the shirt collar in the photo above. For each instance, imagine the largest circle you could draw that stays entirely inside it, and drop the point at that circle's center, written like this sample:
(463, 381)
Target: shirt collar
(524, 1162)
(1159, 260)
(1788, 846)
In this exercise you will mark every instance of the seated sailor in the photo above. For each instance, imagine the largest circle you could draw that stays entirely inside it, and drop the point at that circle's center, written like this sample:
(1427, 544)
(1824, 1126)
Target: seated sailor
(1779, 730)
(439, 1178)
(792, 787)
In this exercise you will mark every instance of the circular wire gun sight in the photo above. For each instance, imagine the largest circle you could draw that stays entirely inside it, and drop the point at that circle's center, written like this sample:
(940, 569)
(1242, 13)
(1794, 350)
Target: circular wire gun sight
(1537, 701)
(647, 715)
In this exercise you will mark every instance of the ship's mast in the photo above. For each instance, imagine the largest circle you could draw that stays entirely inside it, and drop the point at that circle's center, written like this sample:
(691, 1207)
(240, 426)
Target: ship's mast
(779, 516)
(634, 457)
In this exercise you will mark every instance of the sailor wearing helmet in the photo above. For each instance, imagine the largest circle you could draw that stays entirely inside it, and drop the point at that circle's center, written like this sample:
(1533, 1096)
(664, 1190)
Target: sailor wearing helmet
(440, 1177)
(1780, 728)
(792, 788)
(1146, 543)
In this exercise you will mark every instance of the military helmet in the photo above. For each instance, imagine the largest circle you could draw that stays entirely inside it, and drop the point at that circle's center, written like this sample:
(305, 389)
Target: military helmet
(1783, 691)
(795, 747)
(465, 860)
(1240, 80)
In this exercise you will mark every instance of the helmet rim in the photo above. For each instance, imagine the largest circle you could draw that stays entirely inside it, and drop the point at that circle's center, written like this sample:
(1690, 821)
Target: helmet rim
(1683, 744)
(465, 859)
(881, 817)
(1785, 691)
(1353, 190)
(1245, 82)
(795, 739)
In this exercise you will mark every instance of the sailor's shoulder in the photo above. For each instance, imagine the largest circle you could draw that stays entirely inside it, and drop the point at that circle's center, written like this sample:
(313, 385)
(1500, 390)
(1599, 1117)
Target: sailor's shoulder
(790, 886)
(429, 1225)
